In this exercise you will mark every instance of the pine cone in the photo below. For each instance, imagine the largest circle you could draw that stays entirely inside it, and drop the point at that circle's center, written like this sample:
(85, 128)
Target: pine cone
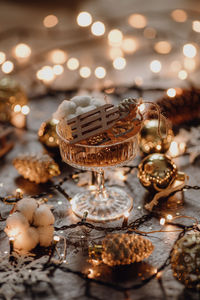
(38, 168)
(123, 249)
(182, 108)
(185, 260)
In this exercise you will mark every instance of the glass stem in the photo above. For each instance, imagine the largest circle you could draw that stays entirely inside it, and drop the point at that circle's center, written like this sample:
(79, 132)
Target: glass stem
(99, 180)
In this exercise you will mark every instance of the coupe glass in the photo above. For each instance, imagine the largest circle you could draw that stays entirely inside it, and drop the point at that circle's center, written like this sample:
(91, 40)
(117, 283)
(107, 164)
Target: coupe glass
(102, 203)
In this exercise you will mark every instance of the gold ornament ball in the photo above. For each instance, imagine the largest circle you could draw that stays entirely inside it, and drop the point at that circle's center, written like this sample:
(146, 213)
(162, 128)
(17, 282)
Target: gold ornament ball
(150, 141)
(12, 99)
(157, 171)
(185, 260)
(47, 134)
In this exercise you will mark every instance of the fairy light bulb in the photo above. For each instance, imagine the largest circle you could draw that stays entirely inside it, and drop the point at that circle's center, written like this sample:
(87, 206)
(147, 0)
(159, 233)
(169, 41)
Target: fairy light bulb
(2, 57)
(58, 69)
(179, 15)
(73, 63)
(155, 66)
(169, 217)
(137, 21)
(7, 67)
(196, 26)
(46, 74)
(129, 45)
(98, 28)
(22, 51)
(162, 221)
(163, 47)
(119, 63)
(85, 72)
(100, 72)
(84, 19)
(25, 109)
(115, 52)
(182, 74)
(171, 92)
(17, 108)
(50, 21)
(58, 56)
(189, 50)
(115, 37)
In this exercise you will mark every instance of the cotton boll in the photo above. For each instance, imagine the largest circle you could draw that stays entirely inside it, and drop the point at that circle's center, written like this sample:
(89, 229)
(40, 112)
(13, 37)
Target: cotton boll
(81, 100)
(43, 216)
(27, 207)
(27, 240)
(16, 224)
(45, 235)
(97, 102)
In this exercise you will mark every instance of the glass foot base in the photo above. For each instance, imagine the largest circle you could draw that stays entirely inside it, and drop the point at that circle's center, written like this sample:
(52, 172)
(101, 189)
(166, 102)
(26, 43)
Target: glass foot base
(101, 207)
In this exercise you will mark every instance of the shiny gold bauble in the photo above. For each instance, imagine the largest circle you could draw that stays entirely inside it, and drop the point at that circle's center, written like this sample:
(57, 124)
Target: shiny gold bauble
(47, 134)
(150, 141)
(185, 260)
(157, 171)
(12, 99)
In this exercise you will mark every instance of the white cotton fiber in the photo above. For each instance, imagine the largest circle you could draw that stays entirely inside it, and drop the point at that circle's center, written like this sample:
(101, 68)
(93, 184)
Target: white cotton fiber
(27, 240)
(45, 235)
(43, 216)
(27, 207)
(15, 224)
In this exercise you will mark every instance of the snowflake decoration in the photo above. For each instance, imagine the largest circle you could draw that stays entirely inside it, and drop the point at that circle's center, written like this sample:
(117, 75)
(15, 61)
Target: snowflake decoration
(24, 271)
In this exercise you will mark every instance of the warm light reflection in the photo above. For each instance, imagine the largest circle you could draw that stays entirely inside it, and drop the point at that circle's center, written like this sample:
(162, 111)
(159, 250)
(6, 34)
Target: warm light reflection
(84, 19)
(100, 72)
(22, 51)
(120, 175)
(179, 15)
(169, 217)
(115, 37)
(73, 63)
(182, 74)
(171, 92)
(85, 72)
(119, 63)
(58, 56)
(2, 57)
(150, 33)
(7, 67)
(189, 64)
(142, 107)
(162, 221)
(129, 45)
(50, 21)
(137, 20)
(189, 50)
(176, 148)
(115, 52)
(126, 214)
(25, 110)
(196, 26)
(163, 47)
(155, 66)
(98, 28)
(58, 69)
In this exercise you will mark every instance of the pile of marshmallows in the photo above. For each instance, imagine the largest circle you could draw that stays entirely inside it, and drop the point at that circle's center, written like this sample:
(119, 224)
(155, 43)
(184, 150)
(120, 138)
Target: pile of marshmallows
(31, 224)
(76, 106)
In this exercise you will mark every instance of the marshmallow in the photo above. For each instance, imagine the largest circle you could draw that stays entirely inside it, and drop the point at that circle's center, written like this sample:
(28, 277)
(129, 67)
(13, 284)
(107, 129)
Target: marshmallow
(27, 207)
(81, 100)
(64, 109)
(43, 216)
(97, 102)
(82, 110)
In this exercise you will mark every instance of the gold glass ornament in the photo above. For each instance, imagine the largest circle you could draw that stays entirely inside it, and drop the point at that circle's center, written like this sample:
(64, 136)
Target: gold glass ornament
(185, 260)
(47, 134)
(157, 172)
(150, 141)
(121, 249)
(13, 103)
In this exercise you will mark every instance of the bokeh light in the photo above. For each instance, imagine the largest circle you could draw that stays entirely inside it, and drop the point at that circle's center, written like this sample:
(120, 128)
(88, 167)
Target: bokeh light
(163, 47)
(73, 63)
(155, 66)
(84, 19)
(129, 45)
(150, 33)
(182, 74)
(17, 108)
(98, 28)
(119, 63)
(22, 50)
(85, 72)
(189, 64)
(7, 67)
(46, 74)
(2, 57)
(137, 20)
(196, 26)
(25, 109)
(58, 56)
(171, 92)
(100, 72)
(189, 50)
(50, 21)
(115, 52)
(115, 37)
(58, 69)
(179, 15)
